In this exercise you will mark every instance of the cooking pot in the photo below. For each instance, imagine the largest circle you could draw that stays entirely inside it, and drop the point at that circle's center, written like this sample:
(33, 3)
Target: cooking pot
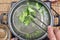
(33, 30)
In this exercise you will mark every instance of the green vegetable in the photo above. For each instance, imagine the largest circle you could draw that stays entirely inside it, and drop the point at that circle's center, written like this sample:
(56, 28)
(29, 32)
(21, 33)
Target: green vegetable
(37, 33)
(27, 20)
(22, 17)
(38, 6)
(27, 35)
(31, 10)
(26, 16)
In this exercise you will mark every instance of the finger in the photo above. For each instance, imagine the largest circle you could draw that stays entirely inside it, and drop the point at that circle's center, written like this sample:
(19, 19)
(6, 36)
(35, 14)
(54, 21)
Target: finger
(14, 39)
(51, 34)
(57, 33)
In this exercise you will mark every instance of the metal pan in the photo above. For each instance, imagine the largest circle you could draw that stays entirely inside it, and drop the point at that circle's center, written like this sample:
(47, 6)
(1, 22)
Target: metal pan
(14, 23)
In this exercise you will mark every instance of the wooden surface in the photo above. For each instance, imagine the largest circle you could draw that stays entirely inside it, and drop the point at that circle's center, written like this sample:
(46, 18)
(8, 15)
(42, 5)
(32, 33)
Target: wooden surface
(7, 1)
(5, 5)
(56, 6)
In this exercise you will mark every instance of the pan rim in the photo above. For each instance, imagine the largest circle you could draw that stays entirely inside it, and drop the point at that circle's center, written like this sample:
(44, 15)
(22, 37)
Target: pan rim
(10, 13)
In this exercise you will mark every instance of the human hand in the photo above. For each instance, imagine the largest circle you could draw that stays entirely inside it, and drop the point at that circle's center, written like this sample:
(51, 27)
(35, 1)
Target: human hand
(53, 33)
(14, 39)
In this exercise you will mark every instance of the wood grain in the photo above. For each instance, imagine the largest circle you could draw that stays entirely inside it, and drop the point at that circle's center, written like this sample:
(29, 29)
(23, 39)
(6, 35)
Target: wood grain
(4, 7)
(7, 1)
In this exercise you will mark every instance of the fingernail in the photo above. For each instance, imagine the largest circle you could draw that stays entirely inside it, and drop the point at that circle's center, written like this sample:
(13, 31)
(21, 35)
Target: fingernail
(49, 27)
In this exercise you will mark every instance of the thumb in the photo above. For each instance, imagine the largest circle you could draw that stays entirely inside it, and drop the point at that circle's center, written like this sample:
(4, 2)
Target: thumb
(51, 34)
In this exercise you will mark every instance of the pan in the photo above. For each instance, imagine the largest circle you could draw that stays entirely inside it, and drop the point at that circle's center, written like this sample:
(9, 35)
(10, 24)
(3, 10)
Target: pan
(28, 19)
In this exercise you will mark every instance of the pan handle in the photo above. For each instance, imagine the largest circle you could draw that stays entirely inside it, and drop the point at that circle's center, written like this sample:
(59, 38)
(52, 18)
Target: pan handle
(3, 18)
(58, 16)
